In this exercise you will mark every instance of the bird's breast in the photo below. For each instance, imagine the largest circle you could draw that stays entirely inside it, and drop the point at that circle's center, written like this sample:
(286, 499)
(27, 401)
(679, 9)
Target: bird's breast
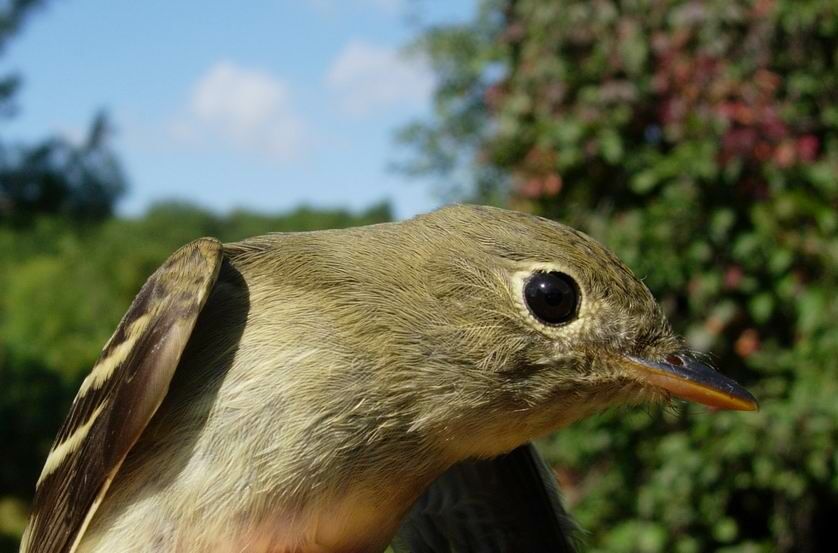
(359, 522)
(240, 458)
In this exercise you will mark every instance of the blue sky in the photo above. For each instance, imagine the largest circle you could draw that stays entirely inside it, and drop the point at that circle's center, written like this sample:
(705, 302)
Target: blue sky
(264, 104)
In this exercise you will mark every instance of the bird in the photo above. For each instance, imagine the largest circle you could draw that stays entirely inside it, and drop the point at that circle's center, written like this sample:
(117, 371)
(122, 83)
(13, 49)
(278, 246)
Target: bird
(338, 391)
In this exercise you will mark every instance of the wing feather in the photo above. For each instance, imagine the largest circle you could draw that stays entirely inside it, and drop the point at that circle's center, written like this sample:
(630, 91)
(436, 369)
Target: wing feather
(119, 396)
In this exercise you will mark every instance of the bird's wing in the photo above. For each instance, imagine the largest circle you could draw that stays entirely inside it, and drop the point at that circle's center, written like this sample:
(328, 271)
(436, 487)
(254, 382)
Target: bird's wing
(509, 503)
(119, 397)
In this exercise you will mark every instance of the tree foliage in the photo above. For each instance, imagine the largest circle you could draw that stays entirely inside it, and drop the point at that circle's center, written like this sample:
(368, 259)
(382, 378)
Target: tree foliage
(54, 176)
(78, 181)
(698, 139)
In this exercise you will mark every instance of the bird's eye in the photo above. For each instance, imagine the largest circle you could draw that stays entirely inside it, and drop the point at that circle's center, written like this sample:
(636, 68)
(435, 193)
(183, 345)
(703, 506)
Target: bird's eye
(553, 298)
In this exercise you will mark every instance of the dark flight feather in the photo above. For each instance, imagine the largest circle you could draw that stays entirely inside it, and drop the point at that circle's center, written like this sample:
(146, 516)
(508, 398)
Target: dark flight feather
(502, 505)
(119, 397)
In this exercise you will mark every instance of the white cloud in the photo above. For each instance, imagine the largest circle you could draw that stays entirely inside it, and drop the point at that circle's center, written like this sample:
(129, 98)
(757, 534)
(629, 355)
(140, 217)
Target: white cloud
(370, 77)
(248, 108)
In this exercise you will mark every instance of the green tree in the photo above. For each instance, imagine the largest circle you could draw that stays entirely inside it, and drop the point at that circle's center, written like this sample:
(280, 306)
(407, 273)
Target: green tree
(54, 176)
(699, 139)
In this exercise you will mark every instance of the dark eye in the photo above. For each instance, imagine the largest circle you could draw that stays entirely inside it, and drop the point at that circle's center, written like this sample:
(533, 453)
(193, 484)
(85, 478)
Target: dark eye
(553, 298)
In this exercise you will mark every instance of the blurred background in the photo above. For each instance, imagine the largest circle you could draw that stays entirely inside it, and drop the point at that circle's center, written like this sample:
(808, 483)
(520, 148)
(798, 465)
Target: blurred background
(698, 139)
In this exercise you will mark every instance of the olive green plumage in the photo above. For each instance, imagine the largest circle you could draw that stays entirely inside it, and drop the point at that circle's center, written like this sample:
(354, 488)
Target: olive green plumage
(332, 376)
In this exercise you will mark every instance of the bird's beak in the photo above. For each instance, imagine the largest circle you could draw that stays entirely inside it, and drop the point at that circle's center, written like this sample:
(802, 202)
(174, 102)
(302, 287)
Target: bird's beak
(686, 378)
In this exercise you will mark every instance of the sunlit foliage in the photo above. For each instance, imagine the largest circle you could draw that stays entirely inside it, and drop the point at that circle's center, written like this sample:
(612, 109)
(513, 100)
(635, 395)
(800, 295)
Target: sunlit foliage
(699, 140)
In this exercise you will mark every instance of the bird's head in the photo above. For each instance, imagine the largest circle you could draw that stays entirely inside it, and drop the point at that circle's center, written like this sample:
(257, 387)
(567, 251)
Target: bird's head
(514, 325)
